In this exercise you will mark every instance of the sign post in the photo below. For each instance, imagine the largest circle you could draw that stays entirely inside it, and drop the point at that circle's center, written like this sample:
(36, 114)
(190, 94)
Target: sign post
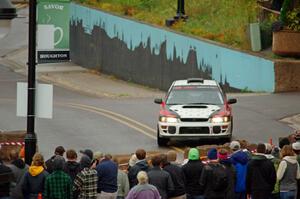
(53, 27)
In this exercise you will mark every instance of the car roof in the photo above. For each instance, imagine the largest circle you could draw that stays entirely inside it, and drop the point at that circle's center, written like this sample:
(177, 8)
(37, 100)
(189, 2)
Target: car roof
(195, 81)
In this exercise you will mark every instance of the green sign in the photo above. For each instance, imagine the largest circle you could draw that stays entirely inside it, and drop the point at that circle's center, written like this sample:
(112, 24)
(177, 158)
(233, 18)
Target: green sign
(53, 24)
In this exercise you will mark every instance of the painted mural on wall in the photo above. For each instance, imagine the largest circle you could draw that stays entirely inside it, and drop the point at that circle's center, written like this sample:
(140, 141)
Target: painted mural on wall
(155, 57)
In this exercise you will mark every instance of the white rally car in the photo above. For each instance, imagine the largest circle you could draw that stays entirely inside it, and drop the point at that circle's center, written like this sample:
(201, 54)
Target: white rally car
(193, 109)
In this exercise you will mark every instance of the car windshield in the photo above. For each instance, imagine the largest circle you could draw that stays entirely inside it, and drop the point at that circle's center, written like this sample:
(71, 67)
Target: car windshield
(194, 95)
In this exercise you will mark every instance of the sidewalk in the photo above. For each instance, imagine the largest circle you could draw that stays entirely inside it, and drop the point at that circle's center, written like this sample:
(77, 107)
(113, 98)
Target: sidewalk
(74, 77)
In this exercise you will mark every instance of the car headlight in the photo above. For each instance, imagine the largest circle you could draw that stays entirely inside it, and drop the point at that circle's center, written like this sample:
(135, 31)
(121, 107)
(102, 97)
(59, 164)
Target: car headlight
(219, 119)
(168, 119)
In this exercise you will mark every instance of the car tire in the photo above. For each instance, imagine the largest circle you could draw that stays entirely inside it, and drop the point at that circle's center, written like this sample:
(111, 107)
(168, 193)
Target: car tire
(161, 141)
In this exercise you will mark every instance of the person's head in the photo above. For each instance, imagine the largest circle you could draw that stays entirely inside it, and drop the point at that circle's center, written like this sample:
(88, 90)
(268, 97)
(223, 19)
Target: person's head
(296, 147)
(38, 160)
(85, 162)
(107, 156)
(58, 163)
(171, 156)
(142, 177)
(287, 150)
(98, 155)
(60, 150)
(276, 152)
(140, 154)
(235, 146)
(14, 155)
(261, 148)
(212, 154)
(222, 154)
(193, 154)
(284, 141)
(88, 152)
(164, 159)
(156, 160)
(71, 155)
(268, 148)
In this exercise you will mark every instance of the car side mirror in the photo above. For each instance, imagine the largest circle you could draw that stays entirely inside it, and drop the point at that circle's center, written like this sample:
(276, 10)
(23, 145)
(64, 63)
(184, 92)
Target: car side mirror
(232, 101)
(158, 101)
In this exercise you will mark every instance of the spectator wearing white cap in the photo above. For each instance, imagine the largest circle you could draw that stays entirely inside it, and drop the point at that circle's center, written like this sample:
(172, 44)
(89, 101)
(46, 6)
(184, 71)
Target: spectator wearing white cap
(239, 159)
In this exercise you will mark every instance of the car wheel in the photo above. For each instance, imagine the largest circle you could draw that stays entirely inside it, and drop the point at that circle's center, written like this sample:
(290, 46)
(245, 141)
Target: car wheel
(161, 141)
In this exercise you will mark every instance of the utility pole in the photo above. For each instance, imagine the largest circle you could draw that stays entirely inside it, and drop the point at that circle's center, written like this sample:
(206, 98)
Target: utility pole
(30, 138)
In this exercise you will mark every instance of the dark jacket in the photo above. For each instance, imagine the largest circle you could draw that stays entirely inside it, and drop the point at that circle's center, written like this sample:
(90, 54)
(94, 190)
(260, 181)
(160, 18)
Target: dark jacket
(72, 169)
(107, 176)
(18, 168)
(261, 175)
(192, 172)
(240, 160)
(178, 179)
(206, 181)
(141, 165)
(33, 185)
(161, 180)
(6, 177)
(231, 173)
(49, 164)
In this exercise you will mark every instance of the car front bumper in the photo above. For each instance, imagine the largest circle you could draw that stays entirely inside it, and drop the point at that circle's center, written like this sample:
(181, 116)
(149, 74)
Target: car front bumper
(195, 130)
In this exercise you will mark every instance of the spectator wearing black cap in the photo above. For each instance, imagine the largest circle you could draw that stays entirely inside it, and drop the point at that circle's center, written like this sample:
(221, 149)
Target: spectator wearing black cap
(88, 152)
(60, 150)
(261, 175)
(85, 183)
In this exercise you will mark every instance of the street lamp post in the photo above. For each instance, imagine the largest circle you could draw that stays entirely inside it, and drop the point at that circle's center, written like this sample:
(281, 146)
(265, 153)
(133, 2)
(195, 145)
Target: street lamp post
(7, 13)
(30, 138)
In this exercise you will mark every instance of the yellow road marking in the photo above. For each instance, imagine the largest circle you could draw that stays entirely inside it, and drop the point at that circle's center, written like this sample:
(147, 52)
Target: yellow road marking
(116, 114)
(113, 116)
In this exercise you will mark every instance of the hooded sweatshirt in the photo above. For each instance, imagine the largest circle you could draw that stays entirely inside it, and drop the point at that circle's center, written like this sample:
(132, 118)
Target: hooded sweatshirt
(288, 173)
(140, 165)
(72, 168)
(34, 180)
(240, 159)
(261, 174)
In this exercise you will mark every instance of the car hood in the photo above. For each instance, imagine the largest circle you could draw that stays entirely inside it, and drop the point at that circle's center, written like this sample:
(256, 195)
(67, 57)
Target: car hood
(194, 111)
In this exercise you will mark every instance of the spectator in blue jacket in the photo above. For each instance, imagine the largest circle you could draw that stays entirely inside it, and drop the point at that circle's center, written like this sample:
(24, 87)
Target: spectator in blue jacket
(107, 178)
(239, 159)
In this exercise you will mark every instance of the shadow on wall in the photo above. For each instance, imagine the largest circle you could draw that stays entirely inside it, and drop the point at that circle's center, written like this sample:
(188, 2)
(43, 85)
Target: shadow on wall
(155, 57)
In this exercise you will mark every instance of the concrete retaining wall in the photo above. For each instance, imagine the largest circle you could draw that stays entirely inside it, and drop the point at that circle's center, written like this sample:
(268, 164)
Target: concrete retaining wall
(155, 57)
(287, 75)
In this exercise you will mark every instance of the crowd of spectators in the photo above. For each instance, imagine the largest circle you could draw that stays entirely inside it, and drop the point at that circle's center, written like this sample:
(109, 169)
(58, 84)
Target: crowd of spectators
(269, 172)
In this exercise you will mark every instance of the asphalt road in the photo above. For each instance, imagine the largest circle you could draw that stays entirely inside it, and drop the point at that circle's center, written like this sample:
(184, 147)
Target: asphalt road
(123, 125)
